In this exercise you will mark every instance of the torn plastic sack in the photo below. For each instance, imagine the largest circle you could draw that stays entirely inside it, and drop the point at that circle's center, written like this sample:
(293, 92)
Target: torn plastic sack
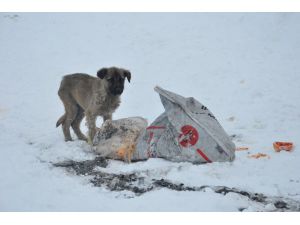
(186, 132)
(117, 139)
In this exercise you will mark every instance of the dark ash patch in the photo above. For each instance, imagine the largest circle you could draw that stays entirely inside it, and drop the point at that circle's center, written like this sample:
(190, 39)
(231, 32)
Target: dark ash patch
(140, 184)
(281, 205)
(83, 167)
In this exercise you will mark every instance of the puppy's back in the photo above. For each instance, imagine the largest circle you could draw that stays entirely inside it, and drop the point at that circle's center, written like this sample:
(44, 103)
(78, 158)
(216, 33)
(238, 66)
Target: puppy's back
(77, 81)
(79, 86)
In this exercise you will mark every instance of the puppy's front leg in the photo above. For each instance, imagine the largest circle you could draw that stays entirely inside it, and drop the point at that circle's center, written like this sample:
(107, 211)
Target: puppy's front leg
(107, 120)
(107, 117)
(91, 123)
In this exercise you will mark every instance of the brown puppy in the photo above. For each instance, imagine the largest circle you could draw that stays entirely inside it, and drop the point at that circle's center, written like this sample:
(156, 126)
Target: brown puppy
(84, 95)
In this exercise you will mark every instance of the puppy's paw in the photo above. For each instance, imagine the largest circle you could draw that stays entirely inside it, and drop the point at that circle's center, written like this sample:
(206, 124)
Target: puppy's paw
(90, 143)
(68, 139)
(83, 138)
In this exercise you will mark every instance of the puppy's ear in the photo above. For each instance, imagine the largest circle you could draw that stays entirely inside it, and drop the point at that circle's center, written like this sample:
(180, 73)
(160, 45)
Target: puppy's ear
(102, 73)
(127, 75)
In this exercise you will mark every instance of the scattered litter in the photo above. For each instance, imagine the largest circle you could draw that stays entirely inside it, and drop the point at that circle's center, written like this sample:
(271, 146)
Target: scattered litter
(242, 149)
(259, 155)
(285, 146)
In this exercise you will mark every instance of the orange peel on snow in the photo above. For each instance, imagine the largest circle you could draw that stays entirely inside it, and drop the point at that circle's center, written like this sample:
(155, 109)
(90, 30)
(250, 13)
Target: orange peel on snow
(125, 152)
(285, 146)
(241, 149)
(259, 155)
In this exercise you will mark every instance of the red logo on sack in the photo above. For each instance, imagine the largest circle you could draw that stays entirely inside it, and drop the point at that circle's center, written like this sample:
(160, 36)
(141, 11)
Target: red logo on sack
(188, 137)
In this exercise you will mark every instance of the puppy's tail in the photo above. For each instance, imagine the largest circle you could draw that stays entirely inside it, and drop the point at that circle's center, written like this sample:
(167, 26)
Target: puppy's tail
(61, 120)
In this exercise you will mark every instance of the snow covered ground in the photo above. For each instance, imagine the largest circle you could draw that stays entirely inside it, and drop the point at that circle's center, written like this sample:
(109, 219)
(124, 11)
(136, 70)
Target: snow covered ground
(243, 67)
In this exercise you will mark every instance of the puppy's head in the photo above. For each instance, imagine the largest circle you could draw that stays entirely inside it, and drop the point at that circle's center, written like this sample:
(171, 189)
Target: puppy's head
(115, 78)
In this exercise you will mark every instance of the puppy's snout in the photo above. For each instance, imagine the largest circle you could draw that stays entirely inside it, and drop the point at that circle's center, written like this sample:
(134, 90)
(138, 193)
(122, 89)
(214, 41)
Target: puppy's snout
(117, 90)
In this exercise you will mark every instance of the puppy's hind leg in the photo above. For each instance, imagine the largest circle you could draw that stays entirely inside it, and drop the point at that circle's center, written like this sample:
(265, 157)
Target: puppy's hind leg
(61, 120)
(70, 114)
(76, 124)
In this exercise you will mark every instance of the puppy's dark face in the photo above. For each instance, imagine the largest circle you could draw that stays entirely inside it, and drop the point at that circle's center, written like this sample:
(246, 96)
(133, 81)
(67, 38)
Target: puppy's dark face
(115, 78)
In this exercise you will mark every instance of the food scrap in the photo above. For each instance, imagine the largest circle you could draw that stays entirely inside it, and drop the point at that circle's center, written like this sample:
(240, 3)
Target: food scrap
(125, 152)
(241, 149)
(286, 146)
(259, 155)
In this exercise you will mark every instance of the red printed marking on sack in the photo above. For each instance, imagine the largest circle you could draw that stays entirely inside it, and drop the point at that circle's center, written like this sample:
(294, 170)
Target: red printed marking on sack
(203, 155)
(155, 127)
(188, 137)
(150, 137)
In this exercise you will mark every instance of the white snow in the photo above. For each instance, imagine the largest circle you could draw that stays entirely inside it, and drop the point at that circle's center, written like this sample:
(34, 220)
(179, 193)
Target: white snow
(244, 66)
